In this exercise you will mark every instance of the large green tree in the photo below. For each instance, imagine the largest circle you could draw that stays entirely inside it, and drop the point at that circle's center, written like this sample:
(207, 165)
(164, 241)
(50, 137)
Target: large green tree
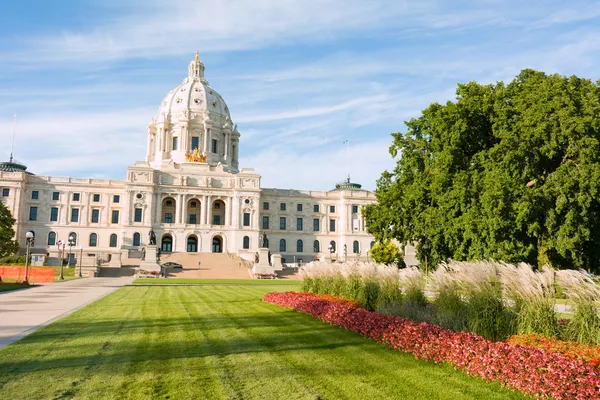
(8, 245)
(507, 171)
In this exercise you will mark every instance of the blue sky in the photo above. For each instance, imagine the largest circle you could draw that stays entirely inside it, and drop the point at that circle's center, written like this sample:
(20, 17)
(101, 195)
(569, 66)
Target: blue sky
(299, 77)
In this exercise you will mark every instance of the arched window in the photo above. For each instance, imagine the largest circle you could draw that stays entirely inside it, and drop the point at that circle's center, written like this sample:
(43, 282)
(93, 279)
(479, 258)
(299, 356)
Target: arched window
(316, 246)
(93, 240)
(372, 244)
(332, 246)
(355, 247)
(113, 240)
(74, 236)
(136, 239)
(282, 245)
(51, 238)
(246, 242)
(299, 246)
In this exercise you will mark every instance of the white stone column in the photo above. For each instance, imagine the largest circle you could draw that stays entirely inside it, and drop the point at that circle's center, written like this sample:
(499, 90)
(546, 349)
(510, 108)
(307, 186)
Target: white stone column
(228, 211)
(206, 132)
(226, 144)
(207, 208)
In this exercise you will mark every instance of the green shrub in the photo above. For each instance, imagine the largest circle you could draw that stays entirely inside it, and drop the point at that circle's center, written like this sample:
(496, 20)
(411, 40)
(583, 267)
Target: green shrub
(585, 325)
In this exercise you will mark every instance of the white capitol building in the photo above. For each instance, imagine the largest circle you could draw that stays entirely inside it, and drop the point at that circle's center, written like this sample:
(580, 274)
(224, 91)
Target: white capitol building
(191, 192)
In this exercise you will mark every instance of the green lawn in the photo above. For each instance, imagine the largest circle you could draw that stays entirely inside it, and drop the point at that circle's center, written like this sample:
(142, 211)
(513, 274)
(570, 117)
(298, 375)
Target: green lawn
(216, 342)
(184, 281)
(6, 287)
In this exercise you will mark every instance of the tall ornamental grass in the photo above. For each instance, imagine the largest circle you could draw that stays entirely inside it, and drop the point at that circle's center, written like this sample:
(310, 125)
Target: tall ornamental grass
(493, 299)
(584, 293)
(373, 286)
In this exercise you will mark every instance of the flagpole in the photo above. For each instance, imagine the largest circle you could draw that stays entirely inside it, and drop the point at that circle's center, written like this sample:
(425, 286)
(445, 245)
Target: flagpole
(12, 149)
(348, 158)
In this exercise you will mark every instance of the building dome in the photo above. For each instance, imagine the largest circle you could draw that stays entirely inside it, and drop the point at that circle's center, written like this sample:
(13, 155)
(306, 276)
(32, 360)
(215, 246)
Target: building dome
(194, 95)
(193, 125)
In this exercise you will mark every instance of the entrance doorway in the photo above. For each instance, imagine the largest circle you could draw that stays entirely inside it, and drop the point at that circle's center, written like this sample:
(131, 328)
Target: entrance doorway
(167, 244)
(192, 244)
(217, 244)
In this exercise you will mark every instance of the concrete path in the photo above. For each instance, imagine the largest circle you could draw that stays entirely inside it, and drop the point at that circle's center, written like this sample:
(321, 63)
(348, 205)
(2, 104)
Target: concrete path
(24, 311)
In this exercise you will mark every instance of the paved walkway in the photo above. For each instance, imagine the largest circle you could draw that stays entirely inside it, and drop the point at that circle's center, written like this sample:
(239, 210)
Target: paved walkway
(24, 311)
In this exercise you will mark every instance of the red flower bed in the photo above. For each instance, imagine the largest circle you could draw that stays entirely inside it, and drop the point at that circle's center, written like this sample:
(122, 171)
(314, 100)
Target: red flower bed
(574, 350)
(532, 371)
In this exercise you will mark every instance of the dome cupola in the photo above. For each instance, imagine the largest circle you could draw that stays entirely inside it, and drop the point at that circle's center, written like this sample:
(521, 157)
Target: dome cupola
(193, 124)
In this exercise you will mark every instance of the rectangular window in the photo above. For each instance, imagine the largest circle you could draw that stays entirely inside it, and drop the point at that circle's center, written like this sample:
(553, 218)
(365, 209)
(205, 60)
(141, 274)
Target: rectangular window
(168, 218)
(299, 207)
(55, 196)
(265, 206)
(354, 209)
(192, 219)
(95, 215)
(175, 143)
(116, 198)
(332, 225)
(246, 219)
(96, 198)
(265, 224)
(282, 223)
(5, 192)
(115, 217)
(316, 227)
(282, 206)
(35, 195)
(214, 146)
(316, 208)
(216, 220)
(33, 213)
(137, 217)
(331, 209)
(54, 214)
(195, 142)
(76, 196)
(299, 224)
(75, 215)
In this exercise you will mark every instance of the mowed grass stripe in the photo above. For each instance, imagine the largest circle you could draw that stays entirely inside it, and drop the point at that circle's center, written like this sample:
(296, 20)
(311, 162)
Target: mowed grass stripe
(216, 342)
(58, 358)
(397, 375)
(261, 374)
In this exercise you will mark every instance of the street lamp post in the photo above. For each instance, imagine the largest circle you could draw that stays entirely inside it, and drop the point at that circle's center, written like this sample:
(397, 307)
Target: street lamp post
(71, 244)
(29, 236)
(60, 244)
(80, 260)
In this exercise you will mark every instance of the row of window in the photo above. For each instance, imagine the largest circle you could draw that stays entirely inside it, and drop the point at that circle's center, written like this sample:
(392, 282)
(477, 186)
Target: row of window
(93, 239)
(300, 245)
(94, 218)
(299, 207)
(35, 195)
(195, 144)
(299, 224)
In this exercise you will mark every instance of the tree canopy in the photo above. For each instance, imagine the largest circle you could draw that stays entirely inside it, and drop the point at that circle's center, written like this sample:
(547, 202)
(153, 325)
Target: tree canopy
(507, 171)
(8, 245)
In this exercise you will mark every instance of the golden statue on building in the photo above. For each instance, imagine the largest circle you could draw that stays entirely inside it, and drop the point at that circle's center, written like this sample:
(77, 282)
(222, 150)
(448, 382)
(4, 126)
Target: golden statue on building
(195, 156)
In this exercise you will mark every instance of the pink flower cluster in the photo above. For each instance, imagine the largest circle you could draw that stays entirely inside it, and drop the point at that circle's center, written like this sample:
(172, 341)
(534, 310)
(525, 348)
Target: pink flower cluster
(532, 371)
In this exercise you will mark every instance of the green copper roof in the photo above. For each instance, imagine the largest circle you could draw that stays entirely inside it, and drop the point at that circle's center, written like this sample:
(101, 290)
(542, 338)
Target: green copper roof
(347, 185)
(12, 166)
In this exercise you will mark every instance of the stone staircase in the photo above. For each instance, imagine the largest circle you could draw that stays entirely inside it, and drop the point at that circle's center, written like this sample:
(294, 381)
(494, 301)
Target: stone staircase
(207, 265)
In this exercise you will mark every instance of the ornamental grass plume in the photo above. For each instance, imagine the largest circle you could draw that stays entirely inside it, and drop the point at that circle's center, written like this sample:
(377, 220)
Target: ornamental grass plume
(488, 316)
(584, 293)
(450, 306)
(532, 296)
